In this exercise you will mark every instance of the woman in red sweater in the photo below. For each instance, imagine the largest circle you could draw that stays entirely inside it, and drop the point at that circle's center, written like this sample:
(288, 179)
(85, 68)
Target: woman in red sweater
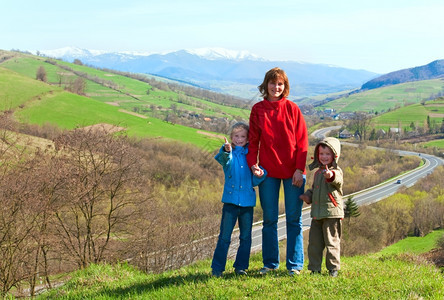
(279, 143)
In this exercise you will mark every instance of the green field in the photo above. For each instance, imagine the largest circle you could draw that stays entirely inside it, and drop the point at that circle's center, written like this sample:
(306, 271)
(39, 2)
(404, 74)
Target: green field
(416, 113)
(36, 102)
(128, 93)
(15, 90)
(382, 99)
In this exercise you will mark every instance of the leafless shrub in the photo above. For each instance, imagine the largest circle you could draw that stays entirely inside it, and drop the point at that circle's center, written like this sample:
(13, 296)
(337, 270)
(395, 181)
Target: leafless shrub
(101, 194)
(41, 74)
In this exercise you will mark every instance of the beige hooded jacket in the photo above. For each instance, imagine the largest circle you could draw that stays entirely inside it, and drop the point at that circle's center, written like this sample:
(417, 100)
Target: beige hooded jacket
(326, 195)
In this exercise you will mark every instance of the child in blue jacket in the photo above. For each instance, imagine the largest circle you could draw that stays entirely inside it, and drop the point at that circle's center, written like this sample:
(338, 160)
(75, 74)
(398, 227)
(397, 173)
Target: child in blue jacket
(239, 199)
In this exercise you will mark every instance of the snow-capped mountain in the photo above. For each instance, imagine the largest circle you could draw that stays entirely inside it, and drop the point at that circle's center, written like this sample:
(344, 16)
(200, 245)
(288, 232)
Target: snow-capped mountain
(221, 53)
(235, 72)
(206, 53)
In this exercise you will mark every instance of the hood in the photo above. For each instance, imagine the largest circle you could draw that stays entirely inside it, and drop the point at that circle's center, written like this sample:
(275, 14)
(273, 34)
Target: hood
(334, 144)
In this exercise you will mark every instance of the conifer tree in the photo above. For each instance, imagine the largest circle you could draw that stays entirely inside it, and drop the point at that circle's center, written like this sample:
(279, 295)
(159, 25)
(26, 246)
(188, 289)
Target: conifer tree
(351, 209)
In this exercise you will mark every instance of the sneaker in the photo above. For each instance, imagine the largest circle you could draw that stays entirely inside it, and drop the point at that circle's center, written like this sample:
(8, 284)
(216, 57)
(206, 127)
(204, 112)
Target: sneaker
(264, 270)
(315, 273)
(240, 272)
(333, 273)
(294, 272)
(217, 274)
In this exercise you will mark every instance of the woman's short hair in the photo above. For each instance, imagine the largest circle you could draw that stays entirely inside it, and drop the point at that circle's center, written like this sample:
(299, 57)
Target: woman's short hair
(273, 75)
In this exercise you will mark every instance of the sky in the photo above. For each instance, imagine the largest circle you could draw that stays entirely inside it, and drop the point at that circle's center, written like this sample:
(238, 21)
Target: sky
(379, 35)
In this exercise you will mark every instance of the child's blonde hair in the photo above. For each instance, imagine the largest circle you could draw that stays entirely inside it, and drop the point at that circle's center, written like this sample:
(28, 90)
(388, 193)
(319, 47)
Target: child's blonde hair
(237, 126)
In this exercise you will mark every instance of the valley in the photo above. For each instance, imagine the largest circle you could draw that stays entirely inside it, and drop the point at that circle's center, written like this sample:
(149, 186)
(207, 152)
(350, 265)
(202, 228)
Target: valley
(122, 166)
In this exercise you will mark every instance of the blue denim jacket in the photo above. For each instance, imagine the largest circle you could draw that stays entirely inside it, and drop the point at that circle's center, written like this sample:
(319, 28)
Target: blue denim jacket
(239, 180)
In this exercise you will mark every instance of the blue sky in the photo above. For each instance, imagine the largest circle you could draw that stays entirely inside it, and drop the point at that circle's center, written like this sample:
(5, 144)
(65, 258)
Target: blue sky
(379, 35)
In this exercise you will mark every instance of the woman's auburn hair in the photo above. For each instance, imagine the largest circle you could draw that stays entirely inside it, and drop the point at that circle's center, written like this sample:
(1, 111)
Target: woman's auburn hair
(273, 75)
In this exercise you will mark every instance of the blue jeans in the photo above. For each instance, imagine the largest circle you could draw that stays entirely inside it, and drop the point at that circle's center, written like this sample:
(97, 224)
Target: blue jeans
(230, 214)
(269, 197)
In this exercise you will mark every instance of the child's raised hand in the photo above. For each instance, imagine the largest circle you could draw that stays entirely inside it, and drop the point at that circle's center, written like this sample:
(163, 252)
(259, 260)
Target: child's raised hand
(328, 173)
(227, 145)
(258, 172)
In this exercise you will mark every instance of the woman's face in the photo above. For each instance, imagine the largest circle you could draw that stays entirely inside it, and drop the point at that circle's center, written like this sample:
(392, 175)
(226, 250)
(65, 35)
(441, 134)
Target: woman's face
(275, 89)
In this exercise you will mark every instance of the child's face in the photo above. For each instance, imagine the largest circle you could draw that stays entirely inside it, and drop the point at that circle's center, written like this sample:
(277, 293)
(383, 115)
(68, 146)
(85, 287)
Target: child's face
(325, 155)
(239, 137)
(275, 89)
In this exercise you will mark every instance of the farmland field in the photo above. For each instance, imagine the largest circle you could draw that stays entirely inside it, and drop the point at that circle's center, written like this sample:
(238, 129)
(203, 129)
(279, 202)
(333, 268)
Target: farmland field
(385, 98)
(416, 113)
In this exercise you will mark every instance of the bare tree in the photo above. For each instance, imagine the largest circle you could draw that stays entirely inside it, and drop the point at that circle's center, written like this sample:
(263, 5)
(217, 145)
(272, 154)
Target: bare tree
(77, 86)
(41, 74)
(360, 123)
(101, 195)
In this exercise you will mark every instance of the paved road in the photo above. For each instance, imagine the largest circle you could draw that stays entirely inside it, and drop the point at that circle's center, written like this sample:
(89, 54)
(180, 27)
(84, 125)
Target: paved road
(363, 197)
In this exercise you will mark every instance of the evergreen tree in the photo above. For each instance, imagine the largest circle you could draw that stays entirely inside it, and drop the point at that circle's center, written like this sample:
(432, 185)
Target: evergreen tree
(351, 209)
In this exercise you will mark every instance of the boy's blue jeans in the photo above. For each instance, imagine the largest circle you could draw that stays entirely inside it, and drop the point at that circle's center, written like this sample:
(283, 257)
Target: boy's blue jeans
(230, 214)
(269, 197)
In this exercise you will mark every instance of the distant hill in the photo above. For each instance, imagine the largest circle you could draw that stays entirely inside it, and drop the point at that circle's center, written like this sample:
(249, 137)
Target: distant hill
(236, 73)
(383, 99)
(432, 70)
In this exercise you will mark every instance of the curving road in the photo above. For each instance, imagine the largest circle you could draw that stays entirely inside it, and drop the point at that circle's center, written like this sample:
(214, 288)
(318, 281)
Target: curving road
(363, 197)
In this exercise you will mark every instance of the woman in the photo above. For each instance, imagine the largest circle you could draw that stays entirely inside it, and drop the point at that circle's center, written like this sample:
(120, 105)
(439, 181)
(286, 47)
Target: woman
(279, 143)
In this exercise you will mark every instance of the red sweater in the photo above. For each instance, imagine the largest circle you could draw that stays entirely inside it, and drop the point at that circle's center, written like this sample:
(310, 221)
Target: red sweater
(279, 134)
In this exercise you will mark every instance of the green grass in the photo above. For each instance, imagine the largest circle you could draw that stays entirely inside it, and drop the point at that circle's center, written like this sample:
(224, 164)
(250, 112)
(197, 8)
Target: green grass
(390, 97)
(36, 102)
(437, 143)
(15, 90)
(416, 113)
(395, 273)
(415, 245)
(128, 93)
(69, 111)
(156, 97)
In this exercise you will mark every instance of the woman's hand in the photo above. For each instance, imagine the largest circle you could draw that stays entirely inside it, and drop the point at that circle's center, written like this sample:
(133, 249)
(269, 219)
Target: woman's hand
(298, 178)
(258, 172)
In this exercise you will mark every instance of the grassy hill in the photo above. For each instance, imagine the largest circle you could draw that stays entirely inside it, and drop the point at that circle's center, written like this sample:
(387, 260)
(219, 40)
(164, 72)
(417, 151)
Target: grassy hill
(123, 91)
(416, 113)
(382, 99)
(35, 102)
(110, 98)
(397, 272)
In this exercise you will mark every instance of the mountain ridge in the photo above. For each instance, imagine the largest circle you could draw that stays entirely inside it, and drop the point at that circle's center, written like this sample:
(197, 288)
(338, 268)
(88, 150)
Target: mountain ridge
(432, 70)
(208, 67)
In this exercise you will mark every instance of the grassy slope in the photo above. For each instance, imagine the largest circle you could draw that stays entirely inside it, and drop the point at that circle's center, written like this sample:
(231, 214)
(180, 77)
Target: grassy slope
(41, 103)
(382, 99)
(27, 65)
(19, 88)
(394, 273)
(416, 113)
(12, 91)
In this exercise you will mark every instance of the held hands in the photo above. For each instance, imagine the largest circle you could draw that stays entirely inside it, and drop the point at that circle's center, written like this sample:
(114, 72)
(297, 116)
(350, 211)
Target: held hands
(227, 145)
(305, 198)
(258, 172)
(328, 174)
